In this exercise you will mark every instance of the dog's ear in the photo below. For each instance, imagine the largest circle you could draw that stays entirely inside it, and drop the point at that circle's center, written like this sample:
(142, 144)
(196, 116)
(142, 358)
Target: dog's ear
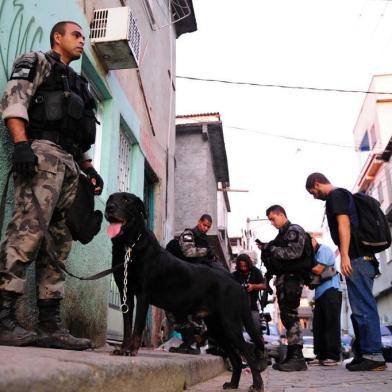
(140, 207)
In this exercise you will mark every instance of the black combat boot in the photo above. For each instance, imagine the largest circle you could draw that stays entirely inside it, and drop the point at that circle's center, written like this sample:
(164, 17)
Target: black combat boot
(294, 362)
(51, 332)
(11, 333)
(285, 359)
(188, 339)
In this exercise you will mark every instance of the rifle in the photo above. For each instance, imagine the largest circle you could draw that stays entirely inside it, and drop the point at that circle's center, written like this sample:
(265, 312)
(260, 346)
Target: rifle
(266, 260)
(266, 291)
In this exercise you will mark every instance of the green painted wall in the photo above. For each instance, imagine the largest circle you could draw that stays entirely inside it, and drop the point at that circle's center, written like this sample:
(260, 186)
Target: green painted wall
(24, 26)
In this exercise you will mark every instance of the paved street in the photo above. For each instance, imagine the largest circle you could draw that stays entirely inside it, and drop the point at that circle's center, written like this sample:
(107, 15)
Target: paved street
(32, 369)
(315, 379)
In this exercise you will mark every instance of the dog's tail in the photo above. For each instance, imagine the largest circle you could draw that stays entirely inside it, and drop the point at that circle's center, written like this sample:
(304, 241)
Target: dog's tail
(249, 325)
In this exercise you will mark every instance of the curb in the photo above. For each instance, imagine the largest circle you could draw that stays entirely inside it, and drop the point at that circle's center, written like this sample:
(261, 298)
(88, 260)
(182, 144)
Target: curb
(31, 369)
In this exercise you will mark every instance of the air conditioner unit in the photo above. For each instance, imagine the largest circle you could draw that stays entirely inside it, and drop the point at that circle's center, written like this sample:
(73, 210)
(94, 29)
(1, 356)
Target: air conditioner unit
(116, 37)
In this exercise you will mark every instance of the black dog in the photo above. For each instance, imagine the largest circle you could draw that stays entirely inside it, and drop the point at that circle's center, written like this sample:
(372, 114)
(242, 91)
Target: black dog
(156, 277)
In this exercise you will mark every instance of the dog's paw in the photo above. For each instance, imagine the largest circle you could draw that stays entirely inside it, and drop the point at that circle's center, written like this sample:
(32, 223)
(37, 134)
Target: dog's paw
(229, 385)
(252, 388)
(123, 352)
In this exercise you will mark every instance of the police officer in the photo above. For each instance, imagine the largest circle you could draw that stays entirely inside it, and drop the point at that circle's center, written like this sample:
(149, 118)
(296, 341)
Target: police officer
(50, 115)
(287, 260)
(194, 242)
(193, 247)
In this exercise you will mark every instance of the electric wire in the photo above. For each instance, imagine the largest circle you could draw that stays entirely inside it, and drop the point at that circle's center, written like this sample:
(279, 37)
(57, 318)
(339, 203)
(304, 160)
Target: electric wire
(281, 86)
(296, 139)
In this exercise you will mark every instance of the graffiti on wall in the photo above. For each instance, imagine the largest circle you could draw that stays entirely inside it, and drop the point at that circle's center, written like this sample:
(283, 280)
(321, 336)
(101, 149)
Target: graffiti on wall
(23, 35)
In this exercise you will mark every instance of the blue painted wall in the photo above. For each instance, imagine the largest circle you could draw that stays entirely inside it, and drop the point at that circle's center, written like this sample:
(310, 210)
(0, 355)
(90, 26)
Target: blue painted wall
(24, 26)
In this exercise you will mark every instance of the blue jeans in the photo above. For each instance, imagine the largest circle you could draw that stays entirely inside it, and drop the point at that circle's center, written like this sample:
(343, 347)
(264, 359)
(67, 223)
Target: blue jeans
(365, 318)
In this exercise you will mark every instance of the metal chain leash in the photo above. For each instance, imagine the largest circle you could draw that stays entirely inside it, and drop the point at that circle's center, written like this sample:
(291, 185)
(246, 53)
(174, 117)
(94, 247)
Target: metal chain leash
(128, 253)
(124, 306)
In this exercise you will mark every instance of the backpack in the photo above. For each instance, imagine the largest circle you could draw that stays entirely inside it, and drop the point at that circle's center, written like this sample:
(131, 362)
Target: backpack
(370, 223)
(303, 266)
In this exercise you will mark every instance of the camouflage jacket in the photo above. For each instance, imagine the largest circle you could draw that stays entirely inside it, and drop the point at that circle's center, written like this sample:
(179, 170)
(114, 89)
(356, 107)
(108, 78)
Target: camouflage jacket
(28, 72)
(193, 245)
(289, 243)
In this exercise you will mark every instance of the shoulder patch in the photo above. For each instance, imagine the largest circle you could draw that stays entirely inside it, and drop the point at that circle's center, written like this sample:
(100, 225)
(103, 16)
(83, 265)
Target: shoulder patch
(292, 235)
(187, 237)
(25, 67)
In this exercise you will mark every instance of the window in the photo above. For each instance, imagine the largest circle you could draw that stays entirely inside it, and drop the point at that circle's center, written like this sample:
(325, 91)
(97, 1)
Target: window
(162, 13)
(150, 179)
(97, 147)
(373, 139)
(364, 149)
(114, 294)
(124, 162)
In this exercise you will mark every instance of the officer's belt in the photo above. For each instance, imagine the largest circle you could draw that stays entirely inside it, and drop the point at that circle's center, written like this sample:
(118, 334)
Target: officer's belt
(55, 137)
(368, 258)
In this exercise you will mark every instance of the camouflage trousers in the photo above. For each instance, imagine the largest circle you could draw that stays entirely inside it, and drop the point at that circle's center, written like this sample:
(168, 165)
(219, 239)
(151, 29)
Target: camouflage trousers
(288, 291)
(54, 185)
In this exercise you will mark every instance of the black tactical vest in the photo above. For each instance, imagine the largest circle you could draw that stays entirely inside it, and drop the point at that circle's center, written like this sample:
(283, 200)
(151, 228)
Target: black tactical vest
(302, 265)
(63, 104)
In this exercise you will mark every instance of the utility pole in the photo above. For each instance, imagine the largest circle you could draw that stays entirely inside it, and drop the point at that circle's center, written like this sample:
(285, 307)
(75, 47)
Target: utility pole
(248, 232)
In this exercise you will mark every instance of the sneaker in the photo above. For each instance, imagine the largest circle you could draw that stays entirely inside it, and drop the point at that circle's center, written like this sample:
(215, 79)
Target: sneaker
(316, 362)
(367, 365)
(330, 362)
(354, 361)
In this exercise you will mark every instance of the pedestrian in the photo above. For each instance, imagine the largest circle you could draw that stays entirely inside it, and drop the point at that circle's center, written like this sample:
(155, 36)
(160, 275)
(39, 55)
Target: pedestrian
(287, 257)
(326, 314)
(49, 112)
(251, 279)
(359, 266)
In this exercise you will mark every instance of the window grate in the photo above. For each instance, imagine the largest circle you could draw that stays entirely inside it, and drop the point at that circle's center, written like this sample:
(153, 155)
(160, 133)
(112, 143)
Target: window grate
(180, 10)
(114, 294)
(124, 162)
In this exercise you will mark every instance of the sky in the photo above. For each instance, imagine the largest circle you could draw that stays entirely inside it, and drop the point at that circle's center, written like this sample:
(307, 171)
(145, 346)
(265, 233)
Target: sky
(276, 137)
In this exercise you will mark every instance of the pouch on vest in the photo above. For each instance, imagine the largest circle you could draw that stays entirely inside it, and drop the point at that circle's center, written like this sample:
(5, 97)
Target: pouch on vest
(90, 126)
(83, 222)
(75, 106)
(54, 105)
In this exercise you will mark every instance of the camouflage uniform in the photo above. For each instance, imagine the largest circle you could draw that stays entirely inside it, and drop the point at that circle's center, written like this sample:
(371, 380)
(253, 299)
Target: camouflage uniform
(289, 245)
(55, 186)
(190, 247)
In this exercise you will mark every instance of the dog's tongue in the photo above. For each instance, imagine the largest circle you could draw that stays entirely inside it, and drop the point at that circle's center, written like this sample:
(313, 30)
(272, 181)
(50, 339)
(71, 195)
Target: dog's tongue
(114, 229)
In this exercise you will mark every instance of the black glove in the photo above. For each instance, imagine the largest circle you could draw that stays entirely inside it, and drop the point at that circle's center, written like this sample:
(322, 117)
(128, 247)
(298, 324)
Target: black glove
(92, 174)
(24, 160)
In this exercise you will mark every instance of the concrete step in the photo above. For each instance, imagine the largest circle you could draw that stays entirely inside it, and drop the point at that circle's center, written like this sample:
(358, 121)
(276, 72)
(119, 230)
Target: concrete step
(31, 369)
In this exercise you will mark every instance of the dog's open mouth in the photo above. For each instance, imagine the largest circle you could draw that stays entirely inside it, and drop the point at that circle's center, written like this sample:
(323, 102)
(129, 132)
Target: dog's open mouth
(115, 228)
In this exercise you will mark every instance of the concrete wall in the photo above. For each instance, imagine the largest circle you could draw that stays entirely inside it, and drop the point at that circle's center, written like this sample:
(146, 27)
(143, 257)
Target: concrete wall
(195, 184)
(144, 104)
(375, 112)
